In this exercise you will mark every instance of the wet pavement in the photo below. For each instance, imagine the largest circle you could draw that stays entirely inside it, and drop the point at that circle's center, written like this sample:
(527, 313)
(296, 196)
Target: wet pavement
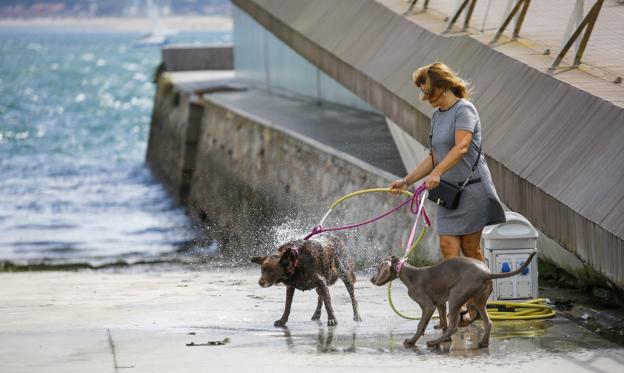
(143, 322)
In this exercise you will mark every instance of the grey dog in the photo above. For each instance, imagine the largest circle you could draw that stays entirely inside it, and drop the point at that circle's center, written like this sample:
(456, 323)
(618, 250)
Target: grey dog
(455, 280)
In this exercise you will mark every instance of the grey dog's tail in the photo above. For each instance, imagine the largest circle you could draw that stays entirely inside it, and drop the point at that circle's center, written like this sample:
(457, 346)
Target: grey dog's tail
(493, 276)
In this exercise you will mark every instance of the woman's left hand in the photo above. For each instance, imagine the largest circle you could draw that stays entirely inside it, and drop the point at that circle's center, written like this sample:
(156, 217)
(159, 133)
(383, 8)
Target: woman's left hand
(432, 181)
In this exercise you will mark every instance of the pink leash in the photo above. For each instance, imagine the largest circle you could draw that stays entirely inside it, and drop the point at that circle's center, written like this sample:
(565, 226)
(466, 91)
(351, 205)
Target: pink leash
(421, 208)
(415, 208)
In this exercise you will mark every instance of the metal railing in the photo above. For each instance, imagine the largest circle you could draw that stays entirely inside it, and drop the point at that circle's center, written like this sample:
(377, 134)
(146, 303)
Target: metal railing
(588, 24)
(519, 11)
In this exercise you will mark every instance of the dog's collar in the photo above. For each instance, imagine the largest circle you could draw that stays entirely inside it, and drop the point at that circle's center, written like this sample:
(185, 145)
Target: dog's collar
(399, 265)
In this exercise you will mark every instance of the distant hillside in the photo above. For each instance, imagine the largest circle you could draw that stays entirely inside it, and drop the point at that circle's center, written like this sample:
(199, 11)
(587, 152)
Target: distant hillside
(108, 8)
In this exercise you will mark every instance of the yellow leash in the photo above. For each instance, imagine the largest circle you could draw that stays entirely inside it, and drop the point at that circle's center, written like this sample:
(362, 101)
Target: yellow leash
(364, 191)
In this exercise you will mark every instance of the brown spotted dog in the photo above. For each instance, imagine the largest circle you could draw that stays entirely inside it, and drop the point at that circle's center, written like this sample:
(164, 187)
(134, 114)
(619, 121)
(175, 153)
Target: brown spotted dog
(307, 265)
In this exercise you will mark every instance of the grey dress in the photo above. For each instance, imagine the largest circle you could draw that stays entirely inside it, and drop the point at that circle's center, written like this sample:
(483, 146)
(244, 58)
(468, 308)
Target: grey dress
(479, 204)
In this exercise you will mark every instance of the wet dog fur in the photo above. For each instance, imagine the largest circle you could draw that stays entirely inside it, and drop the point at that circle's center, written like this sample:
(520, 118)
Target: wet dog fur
(307, 265)
(455, 281)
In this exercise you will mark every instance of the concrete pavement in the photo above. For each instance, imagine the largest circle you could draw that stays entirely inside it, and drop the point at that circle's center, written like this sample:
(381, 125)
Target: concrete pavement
(142, 322)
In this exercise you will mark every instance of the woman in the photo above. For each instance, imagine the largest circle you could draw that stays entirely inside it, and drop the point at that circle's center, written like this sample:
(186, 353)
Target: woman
(455, 140)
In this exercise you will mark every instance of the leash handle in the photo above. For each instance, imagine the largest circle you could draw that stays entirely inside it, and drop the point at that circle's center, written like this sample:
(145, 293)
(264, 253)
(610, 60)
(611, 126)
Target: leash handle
(420, 195)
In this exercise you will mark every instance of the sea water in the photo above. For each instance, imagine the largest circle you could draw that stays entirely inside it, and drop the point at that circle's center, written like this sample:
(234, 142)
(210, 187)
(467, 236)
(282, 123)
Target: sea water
(74, 120)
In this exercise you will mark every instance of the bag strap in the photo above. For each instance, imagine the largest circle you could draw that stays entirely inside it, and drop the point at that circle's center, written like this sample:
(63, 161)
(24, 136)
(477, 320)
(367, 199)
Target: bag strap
(474, 167)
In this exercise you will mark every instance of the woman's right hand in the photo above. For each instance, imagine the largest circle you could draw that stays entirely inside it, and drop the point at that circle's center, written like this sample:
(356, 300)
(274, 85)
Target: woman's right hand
(397, 186)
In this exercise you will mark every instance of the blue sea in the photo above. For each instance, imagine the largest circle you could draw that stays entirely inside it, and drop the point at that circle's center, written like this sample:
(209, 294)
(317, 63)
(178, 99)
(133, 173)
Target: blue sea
(74, 121)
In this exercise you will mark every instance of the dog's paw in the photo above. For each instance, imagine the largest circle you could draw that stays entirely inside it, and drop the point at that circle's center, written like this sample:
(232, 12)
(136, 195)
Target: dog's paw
(357, 318)
(332, 322)
(280, 323)
(431, 344)
(409, 342)
(316, 316)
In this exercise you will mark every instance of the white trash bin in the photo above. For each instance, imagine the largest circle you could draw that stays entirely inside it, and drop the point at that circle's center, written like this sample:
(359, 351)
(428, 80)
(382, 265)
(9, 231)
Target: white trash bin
(506, 247)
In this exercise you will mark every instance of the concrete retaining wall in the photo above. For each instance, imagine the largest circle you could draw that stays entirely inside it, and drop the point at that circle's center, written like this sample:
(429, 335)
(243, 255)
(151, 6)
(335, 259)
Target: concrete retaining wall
(173, 138)
(255, 185)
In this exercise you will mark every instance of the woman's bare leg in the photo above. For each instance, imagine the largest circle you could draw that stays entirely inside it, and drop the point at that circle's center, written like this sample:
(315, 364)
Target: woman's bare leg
(471, 245)
(450, 246)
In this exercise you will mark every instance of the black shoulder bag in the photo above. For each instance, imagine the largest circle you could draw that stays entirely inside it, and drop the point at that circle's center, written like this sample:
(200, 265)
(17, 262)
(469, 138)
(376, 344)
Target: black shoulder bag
(447, 194)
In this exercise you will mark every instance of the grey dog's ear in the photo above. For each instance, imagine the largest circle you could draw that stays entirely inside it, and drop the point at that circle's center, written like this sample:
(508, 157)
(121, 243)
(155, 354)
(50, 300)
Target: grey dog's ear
(258, 259)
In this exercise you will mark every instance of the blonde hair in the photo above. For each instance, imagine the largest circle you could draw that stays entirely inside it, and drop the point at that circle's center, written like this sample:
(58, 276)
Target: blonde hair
(438, 75)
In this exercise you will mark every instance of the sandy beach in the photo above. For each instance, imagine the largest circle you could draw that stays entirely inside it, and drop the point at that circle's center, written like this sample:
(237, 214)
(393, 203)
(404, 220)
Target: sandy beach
(179, 23)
